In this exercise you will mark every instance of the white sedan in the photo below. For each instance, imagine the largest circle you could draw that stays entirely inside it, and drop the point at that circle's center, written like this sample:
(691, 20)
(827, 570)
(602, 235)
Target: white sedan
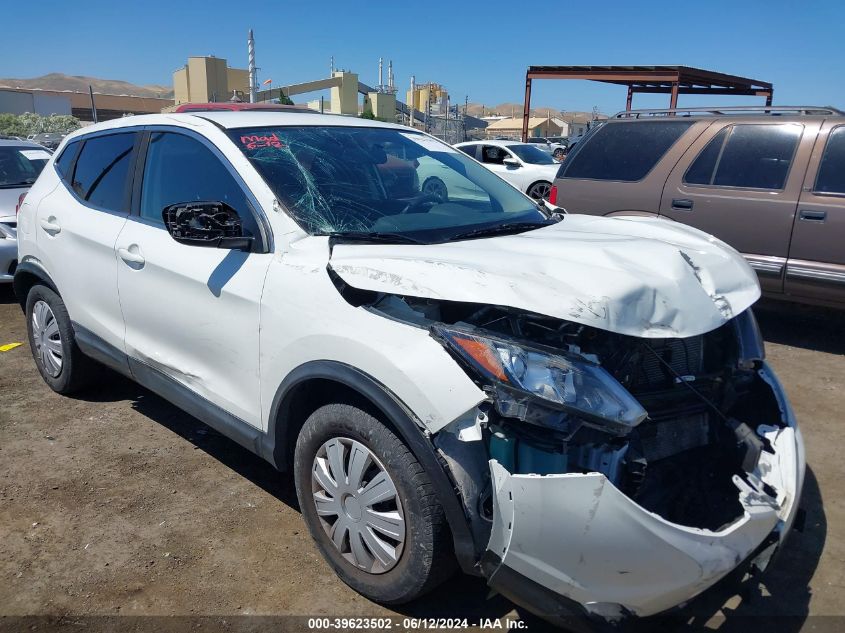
(525, 166)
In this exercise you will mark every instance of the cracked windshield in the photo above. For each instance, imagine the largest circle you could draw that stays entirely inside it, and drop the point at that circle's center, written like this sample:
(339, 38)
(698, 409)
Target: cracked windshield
(371, 183)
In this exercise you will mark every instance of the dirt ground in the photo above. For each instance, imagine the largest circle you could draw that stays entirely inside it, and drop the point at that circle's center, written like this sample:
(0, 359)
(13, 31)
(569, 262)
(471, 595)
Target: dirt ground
(116, 503)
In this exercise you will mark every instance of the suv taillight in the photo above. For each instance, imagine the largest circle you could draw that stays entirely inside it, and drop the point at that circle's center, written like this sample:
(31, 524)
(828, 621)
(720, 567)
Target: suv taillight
(20, 202)
(553, 195)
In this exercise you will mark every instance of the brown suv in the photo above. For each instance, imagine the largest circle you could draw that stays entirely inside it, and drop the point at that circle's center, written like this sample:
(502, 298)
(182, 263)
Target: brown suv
(768, 181)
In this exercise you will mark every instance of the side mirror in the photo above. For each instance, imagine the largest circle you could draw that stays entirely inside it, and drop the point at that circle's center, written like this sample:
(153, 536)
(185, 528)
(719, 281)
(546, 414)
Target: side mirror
(210, 224)
(510, 162)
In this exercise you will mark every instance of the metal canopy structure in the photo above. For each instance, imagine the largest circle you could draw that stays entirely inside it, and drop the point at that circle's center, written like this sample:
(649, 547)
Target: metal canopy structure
(671, 80)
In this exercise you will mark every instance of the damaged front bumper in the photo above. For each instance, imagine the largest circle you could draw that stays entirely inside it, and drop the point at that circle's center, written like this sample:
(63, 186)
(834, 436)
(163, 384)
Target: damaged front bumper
(577, 537)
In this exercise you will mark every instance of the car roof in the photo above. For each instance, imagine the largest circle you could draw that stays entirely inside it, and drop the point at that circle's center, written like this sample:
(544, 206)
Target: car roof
(13, 143)
(234, 120)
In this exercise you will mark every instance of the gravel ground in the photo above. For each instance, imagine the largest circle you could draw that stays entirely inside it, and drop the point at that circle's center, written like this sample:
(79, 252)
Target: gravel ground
(116, 503)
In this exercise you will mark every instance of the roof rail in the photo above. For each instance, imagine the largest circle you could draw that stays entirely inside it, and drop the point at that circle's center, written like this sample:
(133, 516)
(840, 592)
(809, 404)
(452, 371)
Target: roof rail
(719, 111)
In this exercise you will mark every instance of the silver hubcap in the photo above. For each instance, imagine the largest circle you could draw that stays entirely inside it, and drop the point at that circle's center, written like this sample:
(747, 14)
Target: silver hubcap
(540, 191)
(48, 340)
(435, 188)
(358, 505)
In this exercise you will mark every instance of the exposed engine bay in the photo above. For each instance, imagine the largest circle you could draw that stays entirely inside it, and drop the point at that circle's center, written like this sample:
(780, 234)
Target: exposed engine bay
(702, 398)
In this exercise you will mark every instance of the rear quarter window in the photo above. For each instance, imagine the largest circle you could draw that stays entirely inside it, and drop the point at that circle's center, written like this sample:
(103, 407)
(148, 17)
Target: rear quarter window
(831, 176)
(623, 151)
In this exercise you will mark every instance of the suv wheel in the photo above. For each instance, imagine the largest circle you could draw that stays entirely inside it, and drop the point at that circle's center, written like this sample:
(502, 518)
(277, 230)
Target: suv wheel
(559, 153)
(369, 506)
(59, 360)
(540, 190)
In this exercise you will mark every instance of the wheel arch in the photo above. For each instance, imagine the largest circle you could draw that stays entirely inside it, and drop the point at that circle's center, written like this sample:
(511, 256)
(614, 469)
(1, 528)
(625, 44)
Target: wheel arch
(27, 275)
(316, 383)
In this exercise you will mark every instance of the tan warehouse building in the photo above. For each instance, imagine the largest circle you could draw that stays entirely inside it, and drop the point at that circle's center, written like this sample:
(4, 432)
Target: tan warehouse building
(209, 79)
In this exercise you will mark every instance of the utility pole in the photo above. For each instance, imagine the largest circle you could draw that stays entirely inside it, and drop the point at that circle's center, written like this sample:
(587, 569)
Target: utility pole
(93, 107)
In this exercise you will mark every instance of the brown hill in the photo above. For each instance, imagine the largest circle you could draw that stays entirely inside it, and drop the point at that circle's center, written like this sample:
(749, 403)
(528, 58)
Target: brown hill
(60, 81)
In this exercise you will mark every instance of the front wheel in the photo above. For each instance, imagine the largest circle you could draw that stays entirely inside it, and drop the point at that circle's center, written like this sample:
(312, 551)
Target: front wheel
(370, 506)
(540, 190)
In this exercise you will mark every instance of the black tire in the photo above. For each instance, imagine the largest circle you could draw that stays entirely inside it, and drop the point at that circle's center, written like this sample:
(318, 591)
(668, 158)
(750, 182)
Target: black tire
(427, 556)
(559, 153)
(435, 186)
(77, 370)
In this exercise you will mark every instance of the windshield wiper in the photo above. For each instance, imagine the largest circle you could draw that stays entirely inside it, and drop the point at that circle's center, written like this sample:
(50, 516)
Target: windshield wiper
(376, 236)
(501, 229)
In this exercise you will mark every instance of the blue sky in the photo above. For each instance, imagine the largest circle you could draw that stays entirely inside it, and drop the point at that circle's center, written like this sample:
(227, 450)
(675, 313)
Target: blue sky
(475, 49)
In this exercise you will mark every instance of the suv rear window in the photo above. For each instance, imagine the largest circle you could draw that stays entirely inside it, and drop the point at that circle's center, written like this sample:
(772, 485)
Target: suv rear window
(624, 151)
(747, 156)
(831, 178)
(102, 171)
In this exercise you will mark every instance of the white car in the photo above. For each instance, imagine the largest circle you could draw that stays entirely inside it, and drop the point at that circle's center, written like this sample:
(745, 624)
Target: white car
(524, 165)
(576, 408)
(20, 164)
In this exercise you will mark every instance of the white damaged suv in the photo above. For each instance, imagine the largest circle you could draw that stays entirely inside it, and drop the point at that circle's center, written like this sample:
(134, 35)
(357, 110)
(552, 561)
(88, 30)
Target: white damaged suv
(576, 408)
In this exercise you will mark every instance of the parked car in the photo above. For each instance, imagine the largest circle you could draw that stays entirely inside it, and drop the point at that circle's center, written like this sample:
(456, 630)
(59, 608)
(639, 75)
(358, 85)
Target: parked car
(560, 146)
(50, 140)
(524, 165)
(576, 408)
(240, 107)
(20, 164)
(768, 181)
(553, 147)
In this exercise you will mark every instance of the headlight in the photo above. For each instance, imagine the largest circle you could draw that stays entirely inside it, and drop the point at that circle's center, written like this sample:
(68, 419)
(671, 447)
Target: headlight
(564, 381)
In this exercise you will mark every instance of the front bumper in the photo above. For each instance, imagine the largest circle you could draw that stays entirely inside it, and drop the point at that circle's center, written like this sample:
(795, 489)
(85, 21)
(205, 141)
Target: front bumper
(579, 537)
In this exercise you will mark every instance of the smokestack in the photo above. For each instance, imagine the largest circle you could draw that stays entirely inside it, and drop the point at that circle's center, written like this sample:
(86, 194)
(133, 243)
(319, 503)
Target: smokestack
(331, 68)
(390, 74)
(252, 77)
(413, 104)
(380, 73)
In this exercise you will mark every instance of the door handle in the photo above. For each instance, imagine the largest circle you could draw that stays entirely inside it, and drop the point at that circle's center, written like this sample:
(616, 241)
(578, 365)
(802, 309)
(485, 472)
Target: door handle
(50, 225)
(683, 204)
(812, 216)
(131, 257)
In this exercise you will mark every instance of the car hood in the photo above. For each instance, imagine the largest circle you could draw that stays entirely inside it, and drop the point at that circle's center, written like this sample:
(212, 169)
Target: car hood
(643, 277)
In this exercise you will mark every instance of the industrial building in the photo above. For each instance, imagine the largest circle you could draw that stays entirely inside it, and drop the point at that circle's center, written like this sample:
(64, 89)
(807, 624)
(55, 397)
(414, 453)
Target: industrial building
(209, 79)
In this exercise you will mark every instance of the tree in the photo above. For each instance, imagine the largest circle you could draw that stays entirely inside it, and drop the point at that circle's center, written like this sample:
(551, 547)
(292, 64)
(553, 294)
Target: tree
(31, 123)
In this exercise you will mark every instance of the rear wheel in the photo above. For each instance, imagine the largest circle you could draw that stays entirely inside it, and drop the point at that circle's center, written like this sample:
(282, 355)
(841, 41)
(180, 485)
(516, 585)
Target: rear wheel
(540, 190)
(370, 506)
(559, 153)
(436, 187)
(60, 362)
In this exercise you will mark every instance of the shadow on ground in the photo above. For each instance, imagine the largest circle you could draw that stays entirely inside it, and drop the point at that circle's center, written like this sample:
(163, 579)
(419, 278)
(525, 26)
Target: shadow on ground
(808, 327)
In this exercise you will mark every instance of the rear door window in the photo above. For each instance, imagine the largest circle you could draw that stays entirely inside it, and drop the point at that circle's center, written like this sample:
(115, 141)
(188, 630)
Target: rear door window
(102, 173)
(624, 151)
(831, 176)
(469, 150)
(747, 156)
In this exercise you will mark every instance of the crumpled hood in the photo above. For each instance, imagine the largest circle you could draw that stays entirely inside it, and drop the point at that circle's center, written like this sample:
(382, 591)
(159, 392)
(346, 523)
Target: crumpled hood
(643, 277)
